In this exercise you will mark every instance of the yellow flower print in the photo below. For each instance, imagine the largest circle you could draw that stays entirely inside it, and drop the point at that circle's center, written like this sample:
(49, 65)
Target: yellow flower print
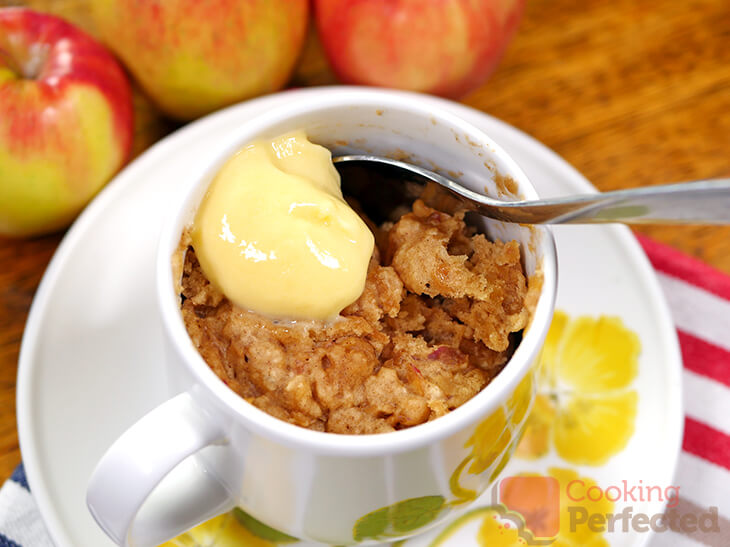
(494, 440)
(488, 441)
(498, 528)
(519, 402)
(591, 429)
(233, 529)
(203, 534)
(535, 442)
(598, 354)
(584, 404)
(573, 497)
(495, 532)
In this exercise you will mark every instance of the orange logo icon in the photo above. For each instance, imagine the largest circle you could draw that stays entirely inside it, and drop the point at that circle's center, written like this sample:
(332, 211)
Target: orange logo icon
(537, 500)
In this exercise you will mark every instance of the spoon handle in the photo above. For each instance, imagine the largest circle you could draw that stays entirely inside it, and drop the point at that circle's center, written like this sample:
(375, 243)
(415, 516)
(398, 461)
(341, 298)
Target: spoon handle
(700, 202)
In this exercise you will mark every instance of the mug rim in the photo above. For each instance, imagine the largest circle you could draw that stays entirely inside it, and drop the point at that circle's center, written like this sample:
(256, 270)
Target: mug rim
(264, 424)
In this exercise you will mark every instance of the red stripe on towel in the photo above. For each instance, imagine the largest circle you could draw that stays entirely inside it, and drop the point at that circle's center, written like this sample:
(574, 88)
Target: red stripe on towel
(706, 442)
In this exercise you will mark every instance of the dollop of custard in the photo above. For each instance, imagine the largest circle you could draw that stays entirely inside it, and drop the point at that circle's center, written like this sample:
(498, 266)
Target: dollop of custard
(274, 234)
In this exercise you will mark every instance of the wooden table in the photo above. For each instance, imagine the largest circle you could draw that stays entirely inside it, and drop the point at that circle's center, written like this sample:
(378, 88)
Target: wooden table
(631, 93)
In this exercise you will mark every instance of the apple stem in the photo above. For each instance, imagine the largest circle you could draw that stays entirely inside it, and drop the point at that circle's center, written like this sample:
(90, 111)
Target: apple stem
(7, 60)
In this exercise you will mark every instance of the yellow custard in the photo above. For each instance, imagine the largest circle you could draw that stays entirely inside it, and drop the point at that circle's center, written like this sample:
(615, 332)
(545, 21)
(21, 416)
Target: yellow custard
(274, 234)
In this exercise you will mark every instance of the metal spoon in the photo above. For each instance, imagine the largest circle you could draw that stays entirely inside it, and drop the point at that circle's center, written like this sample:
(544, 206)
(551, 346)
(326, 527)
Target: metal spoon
(700, 202)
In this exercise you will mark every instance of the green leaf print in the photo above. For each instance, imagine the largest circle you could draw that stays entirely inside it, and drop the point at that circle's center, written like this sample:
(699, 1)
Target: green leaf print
(372, 525)
(259, 529)
(398, 519)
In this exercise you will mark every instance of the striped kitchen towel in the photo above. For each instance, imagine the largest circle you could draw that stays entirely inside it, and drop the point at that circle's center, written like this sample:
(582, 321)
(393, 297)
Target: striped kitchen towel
(699, 299)
(20, 522)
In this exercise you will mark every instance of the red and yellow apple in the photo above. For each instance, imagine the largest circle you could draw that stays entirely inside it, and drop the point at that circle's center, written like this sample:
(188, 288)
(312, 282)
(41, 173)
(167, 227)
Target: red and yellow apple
(65, 121)
(193, 57)
(444, 47)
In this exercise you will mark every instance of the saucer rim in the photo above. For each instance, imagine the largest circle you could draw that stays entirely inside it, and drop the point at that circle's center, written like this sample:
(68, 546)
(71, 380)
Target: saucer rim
(117, 186)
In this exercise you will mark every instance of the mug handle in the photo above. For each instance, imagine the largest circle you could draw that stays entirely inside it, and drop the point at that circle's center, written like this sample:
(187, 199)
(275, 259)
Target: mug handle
(128, 474)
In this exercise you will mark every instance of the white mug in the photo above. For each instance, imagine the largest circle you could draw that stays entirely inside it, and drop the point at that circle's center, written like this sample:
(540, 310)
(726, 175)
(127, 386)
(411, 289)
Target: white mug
(207, 450)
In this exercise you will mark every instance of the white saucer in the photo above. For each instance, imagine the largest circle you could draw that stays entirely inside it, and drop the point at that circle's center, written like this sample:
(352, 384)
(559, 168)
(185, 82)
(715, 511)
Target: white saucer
(90, 363)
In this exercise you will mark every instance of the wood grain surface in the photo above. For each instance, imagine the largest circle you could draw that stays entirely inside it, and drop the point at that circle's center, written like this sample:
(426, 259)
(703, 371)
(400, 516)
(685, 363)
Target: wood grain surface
(631, 93)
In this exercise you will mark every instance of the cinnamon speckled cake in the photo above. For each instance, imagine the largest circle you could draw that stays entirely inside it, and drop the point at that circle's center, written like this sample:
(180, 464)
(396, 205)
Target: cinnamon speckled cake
(441, 313)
